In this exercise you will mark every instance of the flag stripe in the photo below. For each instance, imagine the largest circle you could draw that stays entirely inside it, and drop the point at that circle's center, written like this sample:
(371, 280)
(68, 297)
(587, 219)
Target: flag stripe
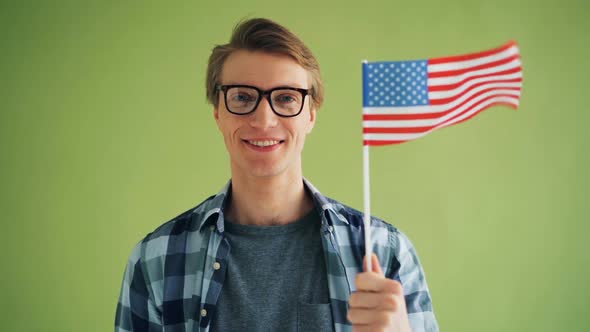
(505, 74)
(465, 116)
(471, 56)
(455, 79)
(475, 91)
(440, 119)
(461, 71)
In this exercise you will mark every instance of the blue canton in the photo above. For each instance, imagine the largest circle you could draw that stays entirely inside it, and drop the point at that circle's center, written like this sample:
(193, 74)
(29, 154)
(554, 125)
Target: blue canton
(395, 84)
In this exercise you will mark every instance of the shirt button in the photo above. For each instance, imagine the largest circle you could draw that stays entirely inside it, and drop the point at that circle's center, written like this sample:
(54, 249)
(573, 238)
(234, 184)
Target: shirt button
(203, 313)
(216, 266)
(212, 228)
(331, 228)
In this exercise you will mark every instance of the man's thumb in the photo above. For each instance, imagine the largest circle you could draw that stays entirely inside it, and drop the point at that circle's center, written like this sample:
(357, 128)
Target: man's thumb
(374, 264)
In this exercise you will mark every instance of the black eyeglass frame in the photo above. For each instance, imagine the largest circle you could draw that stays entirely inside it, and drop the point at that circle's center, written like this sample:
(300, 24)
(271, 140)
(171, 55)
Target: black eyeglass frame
(261, 94)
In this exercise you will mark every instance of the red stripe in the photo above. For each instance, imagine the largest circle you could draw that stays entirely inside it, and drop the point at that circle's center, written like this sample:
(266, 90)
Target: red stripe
(472, 56)
(511, 105)
(456, 85)
(380, 143)
(434, 115)
(450, 99)
(414, 130)
(398, 130)
(458, 72)
(420, 116)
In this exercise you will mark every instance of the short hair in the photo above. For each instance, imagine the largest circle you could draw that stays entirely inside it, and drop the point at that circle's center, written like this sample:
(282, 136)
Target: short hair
(264, 35)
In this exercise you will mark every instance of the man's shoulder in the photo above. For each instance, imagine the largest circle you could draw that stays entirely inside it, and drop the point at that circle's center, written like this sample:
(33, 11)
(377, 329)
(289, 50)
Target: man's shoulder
(187, 221)
(354, 217)
(168, 235)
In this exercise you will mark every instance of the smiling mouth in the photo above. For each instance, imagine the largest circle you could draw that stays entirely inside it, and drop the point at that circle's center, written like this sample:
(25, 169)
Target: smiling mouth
(263, 143)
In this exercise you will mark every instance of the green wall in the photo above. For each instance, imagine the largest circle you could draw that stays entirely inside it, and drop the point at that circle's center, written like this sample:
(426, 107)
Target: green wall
(105, 134)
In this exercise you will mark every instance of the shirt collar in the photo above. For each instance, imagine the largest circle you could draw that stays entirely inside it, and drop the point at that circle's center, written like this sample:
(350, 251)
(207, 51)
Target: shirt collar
(213, 209)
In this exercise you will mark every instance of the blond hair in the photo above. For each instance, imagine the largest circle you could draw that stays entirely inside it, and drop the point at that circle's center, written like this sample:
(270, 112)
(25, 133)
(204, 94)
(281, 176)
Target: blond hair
(264, 35)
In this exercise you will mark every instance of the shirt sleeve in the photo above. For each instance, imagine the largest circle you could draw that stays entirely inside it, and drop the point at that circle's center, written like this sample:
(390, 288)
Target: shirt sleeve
(407, 269)
(136, 310)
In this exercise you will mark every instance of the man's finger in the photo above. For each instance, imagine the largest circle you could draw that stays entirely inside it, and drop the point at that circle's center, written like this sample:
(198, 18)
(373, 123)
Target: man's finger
(369, 316)
(373, 282)
(374, 264)
(371, 300)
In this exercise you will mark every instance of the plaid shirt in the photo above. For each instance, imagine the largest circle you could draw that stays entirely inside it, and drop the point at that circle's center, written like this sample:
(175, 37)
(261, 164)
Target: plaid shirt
(174, 275)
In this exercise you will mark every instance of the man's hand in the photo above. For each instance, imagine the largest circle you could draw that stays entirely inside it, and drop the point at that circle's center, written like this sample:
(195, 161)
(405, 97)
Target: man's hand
(378, 304)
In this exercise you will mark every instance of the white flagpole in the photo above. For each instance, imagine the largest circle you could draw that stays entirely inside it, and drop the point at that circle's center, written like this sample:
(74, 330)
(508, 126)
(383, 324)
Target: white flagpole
(367, 199)
(367, 216)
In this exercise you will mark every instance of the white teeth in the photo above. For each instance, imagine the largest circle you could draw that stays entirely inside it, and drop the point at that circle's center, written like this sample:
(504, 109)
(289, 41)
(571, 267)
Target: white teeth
(263, 143)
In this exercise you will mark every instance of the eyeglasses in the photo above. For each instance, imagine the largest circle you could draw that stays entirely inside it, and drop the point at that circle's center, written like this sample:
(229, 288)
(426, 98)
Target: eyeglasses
(244, 99)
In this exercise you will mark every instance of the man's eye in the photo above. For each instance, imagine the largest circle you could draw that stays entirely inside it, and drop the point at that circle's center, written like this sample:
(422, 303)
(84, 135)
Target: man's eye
(242, 97)
(285, 99)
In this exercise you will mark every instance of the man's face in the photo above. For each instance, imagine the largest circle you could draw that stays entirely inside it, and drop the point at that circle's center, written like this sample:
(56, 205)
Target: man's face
(247, 136)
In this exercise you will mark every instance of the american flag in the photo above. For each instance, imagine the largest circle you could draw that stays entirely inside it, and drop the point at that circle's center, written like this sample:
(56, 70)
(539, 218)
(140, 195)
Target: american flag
(405, 100)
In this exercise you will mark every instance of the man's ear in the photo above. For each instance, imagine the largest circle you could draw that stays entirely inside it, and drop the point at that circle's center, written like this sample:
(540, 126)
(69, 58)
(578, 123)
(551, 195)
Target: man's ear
(312, 116)
(216, 112)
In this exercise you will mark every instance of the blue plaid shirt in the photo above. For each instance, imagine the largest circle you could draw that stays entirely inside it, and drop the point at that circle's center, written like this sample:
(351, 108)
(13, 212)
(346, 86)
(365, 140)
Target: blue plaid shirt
(175, 274)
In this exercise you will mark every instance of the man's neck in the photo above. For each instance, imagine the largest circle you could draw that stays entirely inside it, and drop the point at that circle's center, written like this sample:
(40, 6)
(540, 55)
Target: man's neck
(266, 201)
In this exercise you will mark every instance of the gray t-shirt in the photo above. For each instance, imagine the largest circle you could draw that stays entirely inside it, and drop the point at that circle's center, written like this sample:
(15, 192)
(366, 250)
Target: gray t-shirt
(276, 279)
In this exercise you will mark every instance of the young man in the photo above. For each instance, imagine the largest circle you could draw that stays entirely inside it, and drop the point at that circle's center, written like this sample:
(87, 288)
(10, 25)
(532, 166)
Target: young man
(269, 252)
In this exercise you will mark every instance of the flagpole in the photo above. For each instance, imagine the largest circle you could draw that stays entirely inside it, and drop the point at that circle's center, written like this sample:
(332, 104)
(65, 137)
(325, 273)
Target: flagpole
(367, 201)
(367, 192)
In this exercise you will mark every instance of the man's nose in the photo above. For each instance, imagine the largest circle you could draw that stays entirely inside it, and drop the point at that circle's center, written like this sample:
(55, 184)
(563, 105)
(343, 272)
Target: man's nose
(263, 116)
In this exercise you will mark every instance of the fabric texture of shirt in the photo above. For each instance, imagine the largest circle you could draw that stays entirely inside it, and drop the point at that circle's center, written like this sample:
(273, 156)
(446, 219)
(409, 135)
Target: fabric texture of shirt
(174, 276)
(266, 291)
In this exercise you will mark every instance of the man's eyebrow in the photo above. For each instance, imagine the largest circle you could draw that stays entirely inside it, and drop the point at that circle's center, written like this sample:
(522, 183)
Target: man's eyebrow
(282, 85)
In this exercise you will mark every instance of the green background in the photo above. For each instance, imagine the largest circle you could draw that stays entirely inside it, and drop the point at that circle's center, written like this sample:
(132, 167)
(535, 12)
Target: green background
(105, 134)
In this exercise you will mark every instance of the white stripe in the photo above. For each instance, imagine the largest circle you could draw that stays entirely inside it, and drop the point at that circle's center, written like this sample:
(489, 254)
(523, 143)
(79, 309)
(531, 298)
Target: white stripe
(469, 94)
(432, 109)
(407, 137)
(456, 79)
(437, 121)
(509, 100)
(434, 95)
(404, 110)
(456, 65)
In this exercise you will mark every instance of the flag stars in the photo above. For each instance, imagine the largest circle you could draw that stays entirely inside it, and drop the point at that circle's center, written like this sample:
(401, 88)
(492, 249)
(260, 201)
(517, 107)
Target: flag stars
(388, 84)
